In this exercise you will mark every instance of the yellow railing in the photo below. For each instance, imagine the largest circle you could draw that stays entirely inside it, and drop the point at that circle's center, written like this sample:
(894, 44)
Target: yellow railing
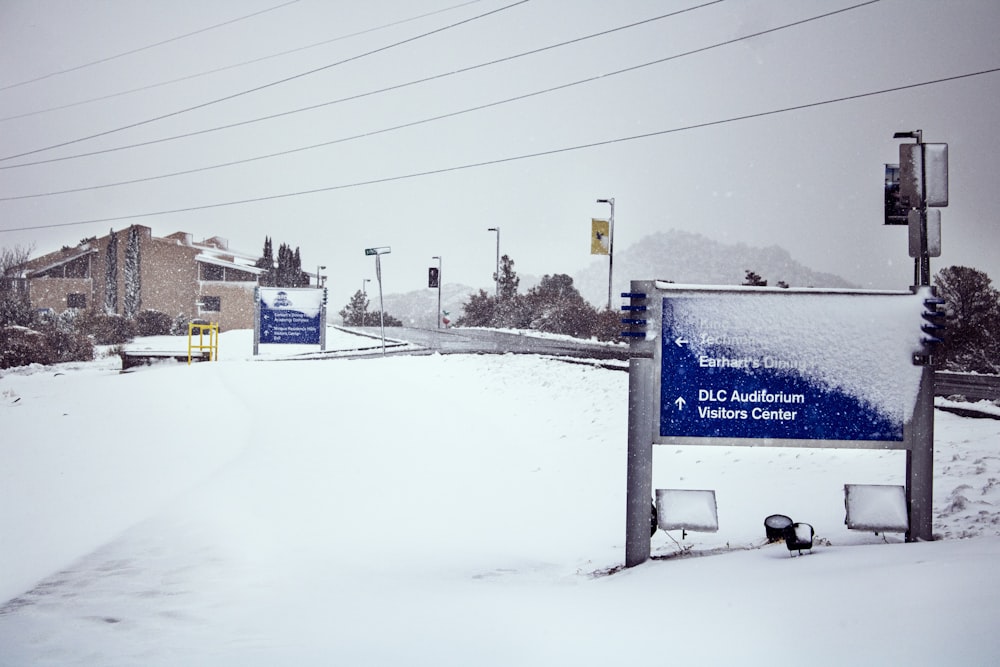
(213, 340)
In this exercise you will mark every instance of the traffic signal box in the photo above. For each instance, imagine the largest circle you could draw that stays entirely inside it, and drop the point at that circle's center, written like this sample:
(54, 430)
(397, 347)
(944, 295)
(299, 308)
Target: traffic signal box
(932, 328)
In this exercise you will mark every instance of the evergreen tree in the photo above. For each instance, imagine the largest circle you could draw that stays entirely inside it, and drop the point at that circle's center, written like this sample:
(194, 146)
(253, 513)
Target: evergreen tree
(477, 311)
(608, 325)
(508, 280)
(557, 307)
(972, 320)
(132, 274)
(754, 280)
(111, 275)
(266, 262)
(355, 313)
(301, 279)
(510, 311)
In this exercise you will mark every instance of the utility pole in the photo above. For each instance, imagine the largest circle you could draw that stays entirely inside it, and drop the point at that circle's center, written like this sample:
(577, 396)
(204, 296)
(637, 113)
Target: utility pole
(496, 276)
(378, 252)
(439, 278)
(364, 297)
(611, 242)
(923, 182)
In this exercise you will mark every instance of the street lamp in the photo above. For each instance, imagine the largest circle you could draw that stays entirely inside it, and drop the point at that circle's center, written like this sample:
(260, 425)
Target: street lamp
(319, 283)
(611, 242)
(496, 276)
(438, 258)
(364, 297)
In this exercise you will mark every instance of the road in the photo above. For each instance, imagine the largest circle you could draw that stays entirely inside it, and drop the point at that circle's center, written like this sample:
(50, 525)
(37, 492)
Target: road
(486, 341)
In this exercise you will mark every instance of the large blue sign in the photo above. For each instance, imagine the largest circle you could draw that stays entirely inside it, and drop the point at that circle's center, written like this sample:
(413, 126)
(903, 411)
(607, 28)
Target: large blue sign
(751, 367)
(290, 315)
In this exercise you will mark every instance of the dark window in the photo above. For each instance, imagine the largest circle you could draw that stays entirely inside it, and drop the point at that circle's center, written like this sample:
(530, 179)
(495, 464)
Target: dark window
(76, 300)
(212, 272)
(78, 268)
(235, 275)
(211, 304)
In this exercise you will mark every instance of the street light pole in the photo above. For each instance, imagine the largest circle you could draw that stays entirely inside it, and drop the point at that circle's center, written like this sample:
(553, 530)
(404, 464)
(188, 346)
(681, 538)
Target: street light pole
(364, 297)
(438, 258)
(377, 253)
(611, 242)
(496, 276)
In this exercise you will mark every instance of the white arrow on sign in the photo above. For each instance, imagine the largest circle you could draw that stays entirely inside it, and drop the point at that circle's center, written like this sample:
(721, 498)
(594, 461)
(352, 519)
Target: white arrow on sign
(680, 402)
(681, 341)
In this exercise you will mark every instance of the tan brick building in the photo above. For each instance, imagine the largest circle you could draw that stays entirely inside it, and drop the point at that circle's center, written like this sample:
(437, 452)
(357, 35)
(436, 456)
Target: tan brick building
(176, 276)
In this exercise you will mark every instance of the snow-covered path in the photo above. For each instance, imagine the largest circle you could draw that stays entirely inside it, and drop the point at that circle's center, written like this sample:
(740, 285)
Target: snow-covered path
(446, 510)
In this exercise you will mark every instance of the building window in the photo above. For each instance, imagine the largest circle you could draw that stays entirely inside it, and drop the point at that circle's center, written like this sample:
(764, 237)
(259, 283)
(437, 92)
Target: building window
(212, 272)
(211, 304)
(76, 300)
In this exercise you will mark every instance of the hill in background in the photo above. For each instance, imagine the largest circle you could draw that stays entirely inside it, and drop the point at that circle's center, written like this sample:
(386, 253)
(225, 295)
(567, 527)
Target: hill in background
(681, 257)
(684, 257)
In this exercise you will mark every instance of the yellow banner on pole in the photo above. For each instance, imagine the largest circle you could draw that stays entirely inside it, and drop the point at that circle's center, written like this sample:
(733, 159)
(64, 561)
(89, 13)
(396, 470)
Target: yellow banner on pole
(600, 237)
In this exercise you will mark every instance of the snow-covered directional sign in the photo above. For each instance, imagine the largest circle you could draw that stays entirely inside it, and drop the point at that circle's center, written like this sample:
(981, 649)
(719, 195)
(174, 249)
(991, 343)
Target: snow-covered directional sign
(787, 365)
(291, 315)
(752, 366)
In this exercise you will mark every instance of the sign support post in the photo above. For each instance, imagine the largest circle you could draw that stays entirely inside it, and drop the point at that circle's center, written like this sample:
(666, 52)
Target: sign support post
(920, 463)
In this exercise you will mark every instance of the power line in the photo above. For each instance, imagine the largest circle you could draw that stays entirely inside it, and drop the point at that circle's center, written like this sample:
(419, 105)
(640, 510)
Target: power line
(515, 158)
(441, 116)
(145, 48)
(407, 84)
(239, 64)
(266, 85)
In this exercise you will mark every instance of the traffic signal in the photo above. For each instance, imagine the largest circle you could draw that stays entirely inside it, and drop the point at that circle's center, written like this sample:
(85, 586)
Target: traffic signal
(433, 274)
(931, 328)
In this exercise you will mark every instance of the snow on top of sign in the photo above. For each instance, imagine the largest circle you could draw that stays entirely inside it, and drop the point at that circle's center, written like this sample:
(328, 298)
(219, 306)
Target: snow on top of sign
(860, 343)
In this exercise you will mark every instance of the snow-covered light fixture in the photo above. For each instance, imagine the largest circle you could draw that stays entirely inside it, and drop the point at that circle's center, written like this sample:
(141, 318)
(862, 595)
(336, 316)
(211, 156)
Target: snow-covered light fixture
(876, 507)
(686, 510)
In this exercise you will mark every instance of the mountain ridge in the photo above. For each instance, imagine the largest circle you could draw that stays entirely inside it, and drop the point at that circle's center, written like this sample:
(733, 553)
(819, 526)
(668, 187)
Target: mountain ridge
(677, 256)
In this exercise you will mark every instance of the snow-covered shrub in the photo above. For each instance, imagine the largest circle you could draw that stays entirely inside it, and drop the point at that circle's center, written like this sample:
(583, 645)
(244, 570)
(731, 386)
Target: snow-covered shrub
(67, 345)
(153, 323)
(21, 346)
(179, 326)
(107, 329)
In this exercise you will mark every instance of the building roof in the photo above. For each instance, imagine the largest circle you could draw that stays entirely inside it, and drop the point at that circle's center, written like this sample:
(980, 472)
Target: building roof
(55, 259)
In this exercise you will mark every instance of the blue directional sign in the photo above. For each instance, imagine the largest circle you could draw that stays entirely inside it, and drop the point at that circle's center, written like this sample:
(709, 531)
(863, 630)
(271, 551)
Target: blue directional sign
(748, 366)
(289, 315)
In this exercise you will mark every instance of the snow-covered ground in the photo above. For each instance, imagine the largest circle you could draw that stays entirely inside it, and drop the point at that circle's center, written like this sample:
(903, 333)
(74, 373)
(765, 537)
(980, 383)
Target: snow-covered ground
(448, 510)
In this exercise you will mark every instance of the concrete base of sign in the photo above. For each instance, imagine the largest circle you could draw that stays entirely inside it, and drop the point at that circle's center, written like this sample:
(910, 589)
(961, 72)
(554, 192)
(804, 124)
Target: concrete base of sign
(683, 509)
(877, 507)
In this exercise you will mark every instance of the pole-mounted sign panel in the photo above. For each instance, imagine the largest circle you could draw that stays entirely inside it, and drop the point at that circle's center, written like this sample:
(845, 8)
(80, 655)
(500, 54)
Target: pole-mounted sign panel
(747, 366)
(291, 315)
(923, 175)
(787, 365)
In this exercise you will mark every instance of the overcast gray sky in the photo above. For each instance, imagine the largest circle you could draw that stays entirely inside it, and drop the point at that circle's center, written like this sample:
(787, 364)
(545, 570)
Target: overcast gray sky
(665, 139)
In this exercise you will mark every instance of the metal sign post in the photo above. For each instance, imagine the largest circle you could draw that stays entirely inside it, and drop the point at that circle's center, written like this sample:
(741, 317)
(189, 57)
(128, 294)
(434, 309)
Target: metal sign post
(378, 252)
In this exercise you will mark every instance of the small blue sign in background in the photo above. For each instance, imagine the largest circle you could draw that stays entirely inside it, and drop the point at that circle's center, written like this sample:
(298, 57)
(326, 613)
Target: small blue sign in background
(288, 316)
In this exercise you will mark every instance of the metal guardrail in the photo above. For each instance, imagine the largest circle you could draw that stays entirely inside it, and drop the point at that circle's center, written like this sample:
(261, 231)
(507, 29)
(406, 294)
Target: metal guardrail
(973, 387)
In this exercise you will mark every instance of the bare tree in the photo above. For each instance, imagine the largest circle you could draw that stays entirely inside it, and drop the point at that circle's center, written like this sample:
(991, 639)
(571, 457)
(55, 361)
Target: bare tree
(12, 259)
(14, 306)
